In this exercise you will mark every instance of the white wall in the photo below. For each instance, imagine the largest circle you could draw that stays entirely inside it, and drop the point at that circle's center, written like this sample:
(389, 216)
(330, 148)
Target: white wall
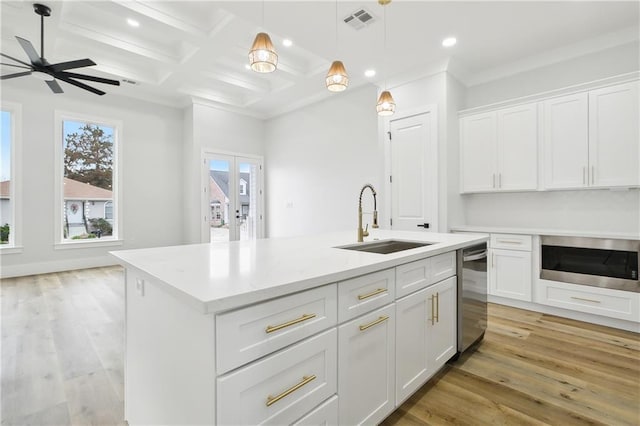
(587, 210)
(151, 173)
(456, 93)
(213, 129)
(317, 159)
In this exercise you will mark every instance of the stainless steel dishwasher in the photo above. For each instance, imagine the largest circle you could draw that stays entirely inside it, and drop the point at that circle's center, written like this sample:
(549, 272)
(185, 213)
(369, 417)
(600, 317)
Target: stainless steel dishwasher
(472, 295)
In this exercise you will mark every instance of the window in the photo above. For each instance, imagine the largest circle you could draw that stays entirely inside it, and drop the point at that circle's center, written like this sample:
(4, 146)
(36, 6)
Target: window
(87, 192)
(243, 187)
(9, 176)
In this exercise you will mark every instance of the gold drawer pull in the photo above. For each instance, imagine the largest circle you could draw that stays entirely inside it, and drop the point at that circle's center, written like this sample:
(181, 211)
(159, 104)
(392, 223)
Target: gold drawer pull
(371, 324)
(509, 242)
(305, 379)
(437, 307)
(272, 328)
(433, 309)
(373, 293)
(586, 300)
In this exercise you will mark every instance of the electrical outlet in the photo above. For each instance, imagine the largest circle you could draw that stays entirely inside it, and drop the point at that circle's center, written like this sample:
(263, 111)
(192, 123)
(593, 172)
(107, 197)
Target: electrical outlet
(140, 286)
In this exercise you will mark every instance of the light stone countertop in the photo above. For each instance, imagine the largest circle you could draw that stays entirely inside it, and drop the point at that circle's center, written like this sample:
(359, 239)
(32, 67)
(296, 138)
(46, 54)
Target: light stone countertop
(222, 276)
(540, 231)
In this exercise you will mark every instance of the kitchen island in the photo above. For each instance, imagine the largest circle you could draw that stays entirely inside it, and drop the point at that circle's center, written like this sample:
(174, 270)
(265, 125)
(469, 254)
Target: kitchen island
(253, 332)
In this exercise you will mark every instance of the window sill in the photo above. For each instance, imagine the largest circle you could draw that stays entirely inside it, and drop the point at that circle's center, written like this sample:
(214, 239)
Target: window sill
(10, 249)
(69, 245)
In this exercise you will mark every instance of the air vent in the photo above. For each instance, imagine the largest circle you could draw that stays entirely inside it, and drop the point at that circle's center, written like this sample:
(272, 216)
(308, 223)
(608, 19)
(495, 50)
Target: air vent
(124, 80)
(359, 19)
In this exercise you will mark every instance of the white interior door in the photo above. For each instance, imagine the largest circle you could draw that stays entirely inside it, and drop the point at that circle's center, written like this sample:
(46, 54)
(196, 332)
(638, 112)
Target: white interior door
(232, 198)
(414, 172)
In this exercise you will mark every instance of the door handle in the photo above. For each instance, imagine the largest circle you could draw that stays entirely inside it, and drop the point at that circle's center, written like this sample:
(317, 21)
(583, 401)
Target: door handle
(423, 225)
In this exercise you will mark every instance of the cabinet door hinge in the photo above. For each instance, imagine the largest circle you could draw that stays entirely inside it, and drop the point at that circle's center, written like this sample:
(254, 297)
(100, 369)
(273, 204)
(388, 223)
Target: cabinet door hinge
(389, 133)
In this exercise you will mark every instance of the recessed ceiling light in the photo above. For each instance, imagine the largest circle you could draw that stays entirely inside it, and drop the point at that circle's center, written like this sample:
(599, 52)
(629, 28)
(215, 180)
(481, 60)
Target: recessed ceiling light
(369, 73)
(287, 43)
(449, 41)
(133, 22)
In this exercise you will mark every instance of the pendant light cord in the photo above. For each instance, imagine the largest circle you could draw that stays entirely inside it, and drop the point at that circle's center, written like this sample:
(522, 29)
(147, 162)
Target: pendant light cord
(336, 24)
(384, 45)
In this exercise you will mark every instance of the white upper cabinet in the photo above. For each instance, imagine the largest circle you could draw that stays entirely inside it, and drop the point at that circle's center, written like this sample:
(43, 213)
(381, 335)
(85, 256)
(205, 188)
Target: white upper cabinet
(566, 142)
(499, 150)
(614, 136)
(478, 153)
(518, 148)
(591, 139)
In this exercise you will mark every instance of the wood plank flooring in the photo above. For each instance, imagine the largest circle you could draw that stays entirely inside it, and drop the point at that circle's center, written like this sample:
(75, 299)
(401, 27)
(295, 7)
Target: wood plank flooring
(62, 363)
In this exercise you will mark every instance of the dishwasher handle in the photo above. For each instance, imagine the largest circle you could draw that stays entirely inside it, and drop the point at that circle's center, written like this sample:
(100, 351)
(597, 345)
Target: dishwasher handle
(475, 256)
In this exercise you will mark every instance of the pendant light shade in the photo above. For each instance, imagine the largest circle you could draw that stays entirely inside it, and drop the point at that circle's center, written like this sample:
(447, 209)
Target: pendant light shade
(262, 56)
(337, 79)
(386, 104)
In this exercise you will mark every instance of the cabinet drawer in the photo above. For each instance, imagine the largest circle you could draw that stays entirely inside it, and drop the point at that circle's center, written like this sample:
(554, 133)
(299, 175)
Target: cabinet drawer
(593, 300)
(360, 295)
(417, 275)
(443, 266)
(324, 415)
(282, 387)
(510, 242)
(252, 332)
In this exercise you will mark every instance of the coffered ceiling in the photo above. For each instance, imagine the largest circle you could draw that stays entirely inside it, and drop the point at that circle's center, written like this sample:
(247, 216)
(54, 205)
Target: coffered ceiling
(197, 50)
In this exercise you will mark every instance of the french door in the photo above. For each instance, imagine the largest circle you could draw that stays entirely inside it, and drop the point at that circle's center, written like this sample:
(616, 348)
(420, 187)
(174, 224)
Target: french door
(232, 198)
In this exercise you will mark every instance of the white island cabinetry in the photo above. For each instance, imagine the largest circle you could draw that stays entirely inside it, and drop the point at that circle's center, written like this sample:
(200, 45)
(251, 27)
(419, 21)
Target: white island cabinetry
(314, 343)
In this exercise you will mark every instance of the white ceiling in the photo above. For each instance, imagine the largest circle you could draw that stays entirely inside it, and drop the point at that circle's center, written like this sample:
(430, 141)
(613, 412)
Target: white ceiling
(197, 50)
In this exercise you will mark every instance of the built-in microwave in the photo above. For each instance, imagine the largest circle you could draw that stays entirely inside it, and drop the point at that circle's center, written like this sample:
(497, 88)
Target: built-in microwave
(600, 262)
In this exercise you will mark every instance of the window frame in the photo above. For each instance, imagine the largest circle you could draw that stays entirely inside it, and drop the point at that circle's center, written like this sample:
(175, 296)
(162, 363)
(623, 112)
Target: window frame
(15, 187)
(118, 234)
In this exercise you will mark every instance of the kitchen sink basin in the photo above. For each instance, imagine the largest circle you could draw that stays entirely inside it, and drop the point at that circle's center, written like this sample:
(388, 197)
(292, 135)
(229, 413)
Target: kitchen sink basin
(385, 246)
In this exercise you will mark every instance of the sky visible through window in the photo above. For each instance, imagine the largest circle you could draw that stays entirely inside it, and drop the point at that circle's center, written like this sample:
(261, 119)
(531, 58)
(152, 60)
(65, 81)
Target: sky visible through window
(70, 127)
(223, 166)
(5, 145)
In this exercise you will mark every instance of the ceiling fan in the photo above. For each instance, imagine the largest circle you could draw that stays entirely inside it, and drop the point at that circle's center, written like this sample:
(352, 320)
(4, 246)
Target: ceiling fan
(52, 72)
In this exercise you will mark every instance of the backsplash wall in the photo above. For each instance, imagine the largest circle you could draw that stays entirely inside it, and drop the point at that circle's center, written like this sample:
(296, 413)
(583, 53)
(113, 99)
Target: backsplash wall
(585, 210)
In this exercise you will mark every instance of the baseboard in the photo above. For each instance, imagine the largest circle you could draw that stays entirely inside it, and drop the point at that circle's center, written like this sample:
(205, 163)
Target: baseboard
(565, 313)
(10, 271)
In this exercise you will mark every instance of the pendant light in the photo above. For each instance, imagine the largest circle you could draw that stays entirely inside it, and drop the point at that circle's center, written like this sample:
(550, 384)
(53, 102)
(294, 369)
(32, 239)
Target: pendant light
(262, 56)
(386, 105)
(337, 79)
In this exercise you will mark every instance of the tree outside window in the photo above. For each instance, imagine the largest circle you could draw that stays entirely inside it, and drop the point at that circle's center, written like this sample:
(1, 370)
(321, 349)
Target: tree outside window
(88, 192)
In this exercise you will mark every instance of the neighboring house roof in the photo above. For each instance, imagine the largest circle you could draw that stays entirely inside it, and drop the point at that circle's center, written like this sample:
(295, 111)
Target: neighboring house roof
(74, 190)
(5, 187)
(221, 178)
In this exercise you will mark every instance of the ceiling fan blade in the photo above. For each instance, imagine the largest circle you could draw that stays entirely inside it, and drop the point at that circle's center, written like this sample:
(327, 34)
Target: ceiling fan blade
(89, 78)
(19, 74)
(30, 50)
(54, 86)
(61, 66)
(14, 59)
(80, 85)
(16, 66)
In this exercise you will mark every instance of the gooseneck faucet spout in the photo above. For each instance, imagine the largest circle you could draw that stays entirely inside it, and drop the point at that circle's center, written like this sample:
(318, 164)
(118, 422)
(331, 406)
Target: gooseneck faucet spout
(364, 232)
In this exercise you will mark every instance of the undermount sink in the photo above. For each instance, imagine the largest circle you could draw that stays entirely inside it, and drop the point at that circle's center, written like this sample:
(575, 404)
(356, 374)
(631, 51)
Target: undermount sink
(384, 247)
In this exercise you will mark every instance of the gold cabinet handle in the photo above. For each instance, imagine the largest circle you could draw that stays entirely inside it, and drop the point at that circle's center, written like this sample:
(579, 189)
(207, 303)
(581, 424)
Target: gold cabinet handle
(373, 293)
(372, 323)
(273, 399)
(586, 300)
(433, 310)
(272, 328)
(437, 307)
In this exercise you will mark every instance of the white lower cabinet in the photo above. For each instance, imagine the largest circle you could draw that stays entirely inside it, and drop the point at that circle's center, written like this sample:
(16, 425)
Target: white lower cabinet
(282, 387)
(425, 335)
(366, 365)
(510, 274)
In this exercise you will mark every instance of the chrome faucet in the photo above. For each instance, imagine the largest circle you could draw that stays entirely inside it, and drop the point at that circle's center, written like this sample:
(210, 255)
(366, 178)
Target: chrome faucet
(364, 232)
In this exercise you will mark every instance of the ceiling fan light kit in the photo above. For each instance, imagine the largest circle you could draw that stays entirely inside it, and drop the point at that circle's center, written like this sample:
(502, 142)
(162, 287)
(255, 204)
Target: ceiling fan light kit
(50, 73)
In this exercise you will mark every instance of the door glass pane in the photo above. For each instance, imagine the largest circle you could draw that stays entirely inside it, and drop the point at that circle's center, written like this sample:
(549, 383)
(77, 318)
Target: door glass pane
(247, 200)
(219, 215)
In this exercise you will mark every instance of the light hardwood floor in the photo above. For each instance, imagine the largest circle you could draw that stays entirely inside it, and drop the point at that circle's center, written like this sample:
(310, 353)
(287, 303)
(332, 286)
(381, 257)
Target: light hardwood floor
(62, 363)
